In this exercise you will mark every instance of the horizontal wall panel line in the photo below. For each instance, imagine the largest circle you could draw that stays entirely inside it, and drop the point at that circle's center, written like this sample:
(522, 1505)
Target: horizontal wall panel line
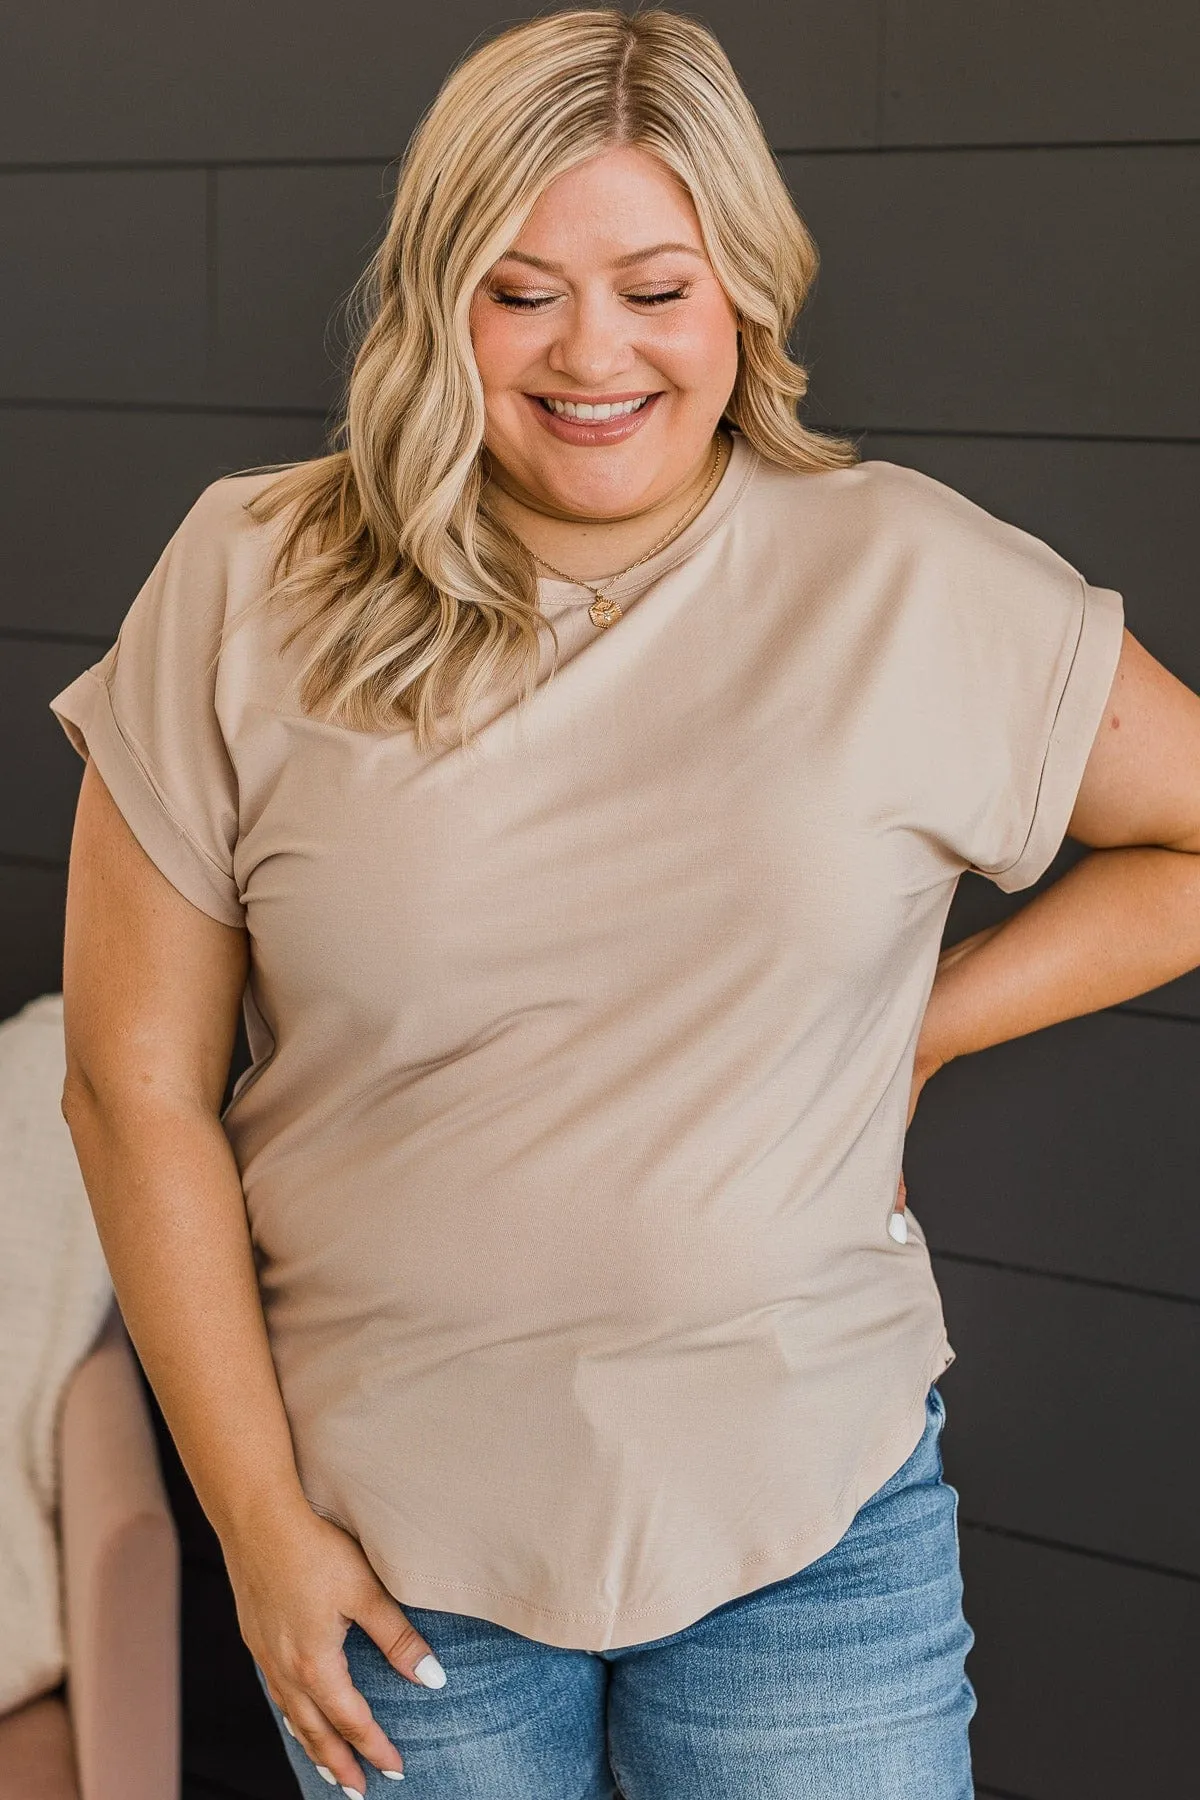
(189, 165)
(220, 409)
(1088, 1281)
(175, 165)
(224, 409)
(950, 433)
(954, 149)
(13, 859)
(1130, 1009)
(22, 634)
(1104, 1556)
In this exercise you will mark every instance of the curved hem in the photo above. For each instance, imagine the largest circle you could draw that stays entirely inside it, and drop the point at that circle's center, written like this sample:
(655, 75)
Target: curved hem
(615, 1630)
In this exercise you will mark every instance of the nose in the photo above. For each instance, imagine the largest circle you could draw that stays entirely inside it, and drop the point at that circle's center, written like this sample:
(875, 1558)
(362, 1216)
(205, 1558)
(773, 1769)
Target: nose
(592, 347)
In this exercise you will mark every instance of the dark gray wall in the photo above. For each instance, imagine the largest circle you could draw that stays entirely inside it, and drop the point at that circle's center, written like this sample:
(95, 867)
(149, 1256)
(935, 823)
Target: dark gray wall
(1005, 201)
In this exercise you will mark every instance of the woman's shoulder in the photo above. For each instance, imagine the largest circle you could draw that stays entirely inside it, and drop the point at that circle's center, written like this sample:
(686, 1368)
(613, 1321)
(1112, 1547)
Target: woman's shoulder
(872, 488)
(220, 515)
(177, 633)
(904, 510)
(217, 560)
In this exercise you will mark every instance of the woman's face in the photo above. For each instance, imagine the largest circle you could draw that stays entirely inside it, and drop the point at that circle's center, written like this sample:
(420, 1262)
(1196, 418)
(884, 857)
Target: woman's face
(585, 307)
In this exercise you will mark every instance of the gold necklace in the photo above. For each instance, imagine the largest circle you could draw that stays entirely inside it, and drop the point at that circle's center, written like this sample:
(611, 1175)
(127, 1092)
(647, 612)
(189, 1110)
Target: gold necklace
(604, 612)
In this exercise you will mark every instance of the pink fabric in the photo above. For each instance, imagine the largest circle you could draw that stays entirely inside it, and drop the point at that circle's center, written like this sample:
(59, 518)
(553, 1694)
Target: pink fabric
(37, 1761)
(121, 1564)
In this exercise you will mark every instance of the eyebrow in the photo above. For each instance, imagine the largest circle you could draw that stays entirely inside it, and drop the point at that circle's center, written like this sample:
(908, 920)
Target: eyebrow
(619, 262)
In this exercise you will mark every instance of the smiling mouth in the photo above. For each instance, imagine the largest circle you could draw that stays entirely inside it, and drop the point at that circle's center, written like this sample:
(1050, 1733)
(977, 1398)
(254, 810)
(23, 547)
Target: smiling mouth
(594, 410)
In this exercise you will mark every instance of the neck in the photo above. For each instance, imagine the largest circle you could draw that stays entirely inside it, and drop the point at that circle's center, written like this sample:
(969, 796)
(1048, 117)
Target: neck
(590, 549)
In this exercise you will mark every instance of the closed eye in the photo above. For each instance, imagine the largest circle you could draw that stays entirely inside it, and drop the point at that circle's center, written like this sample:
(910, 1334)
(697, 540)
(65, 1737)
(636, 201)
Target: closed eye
(527, 303)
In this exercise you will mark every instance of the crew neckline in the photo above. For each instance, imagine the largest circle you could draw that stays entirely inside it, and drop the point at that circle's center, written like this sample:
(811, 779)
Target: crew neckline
(557, 595)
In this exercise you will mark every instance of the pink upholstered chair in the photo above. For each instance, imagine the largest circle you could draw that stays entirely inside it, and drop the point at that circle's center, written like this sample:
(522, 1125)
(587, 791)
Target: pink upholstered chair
(111, 1732)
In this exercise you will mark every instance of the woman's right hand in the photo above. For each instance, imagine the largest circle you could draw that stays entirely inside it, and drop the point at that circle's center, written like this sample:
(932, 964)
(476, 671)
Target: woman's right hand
(299, 1582)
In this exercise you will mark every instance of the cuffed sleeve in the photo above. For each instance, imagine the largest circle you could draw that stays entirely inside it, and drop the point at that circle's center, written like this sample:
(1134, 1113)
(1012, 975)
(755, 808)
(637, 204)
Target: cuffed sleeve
(1007, 656)
(1068, 734)
(147, 713)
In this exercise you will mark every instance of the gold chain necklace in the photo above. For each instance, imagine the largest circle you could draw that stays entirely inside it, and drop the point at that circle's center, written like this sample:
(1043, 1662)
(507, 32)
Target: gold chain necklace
(604, 612)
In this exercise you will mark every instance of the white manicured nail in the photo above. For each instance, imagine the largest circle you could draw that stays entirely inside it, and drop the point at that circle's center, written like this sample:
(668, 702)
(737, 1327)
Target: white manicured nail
(288, 1726)
(430, 1671)
(392, 1774)
(327, 1775)
(898, 1228)
(353, 1793)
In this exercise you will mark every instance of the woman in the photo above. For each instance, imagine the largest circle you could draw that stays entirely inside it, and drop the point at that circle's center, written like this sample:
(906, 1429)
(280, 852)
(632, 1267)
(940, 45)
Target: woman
(575, 769)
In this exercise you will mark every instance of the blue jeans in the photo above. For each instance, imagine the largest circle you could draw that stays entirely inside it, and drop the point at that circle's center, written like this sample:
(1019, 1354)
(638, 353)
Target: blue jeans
(844, 1681)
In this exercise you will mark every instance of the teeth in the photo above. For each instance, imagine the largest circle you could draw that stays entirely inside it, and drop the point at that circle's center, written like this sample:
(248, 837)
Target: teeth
(567, 409)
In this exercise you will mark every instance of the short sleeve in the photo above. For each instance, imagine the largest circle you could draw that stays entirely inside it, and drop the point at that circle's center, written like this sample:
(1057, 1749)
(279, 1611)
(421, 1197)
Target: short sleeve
(1010, 667)
(147, 713)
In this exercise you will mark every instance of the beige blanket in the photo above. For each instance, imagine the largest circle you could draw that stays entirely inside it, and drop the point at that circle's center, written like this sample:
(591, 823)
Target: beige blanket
(54, 1294)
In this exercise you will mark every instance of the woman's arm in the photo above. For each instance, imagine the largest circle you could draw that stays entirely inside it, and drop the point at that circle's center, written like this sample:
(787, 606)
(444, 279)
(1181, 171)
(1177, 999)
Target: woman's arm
(1125, 918)
(151, 991)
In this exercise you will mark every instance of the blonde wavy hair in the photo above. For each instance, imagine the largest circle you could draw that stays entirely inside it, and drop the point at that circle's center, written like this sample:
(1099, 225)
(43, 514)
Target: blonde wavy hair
(413, 595)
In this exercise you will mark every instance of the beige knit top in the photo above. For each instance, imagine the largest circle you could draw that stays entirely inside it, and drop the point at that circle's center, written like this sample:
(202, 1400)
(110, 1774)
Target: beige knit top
(582, 1058)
